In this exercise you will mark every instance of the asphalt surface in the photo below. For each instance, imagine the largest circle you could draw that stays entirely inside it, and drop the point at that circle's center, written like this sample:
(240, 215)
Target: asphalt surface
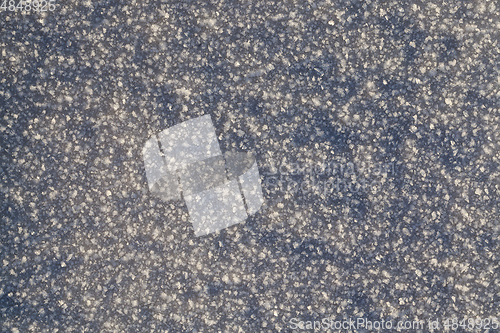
(375, 126)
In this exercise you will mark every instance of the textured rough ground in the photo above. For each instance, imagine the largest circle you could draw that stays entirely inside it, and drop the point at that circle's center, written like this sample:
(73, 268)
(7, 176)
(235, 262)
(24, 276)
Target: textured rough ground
(85, 247)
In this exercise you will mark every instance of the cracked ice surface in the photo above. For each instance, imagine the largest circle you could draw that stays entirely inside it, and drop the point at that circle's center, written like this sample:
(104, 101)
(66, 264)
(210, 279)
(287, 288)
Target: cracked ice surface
(413, 88)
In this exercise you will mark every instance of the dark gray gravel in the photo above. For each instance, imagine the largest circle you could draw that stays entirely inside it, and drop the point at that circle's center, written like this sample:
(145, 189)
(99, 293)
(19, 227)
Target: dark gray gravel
(401, 100)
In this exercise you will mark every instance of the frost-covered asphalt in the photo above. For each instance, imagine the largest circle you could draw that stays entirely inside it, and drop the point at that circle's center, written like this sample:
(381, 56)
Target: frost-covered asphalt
(375, 125)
